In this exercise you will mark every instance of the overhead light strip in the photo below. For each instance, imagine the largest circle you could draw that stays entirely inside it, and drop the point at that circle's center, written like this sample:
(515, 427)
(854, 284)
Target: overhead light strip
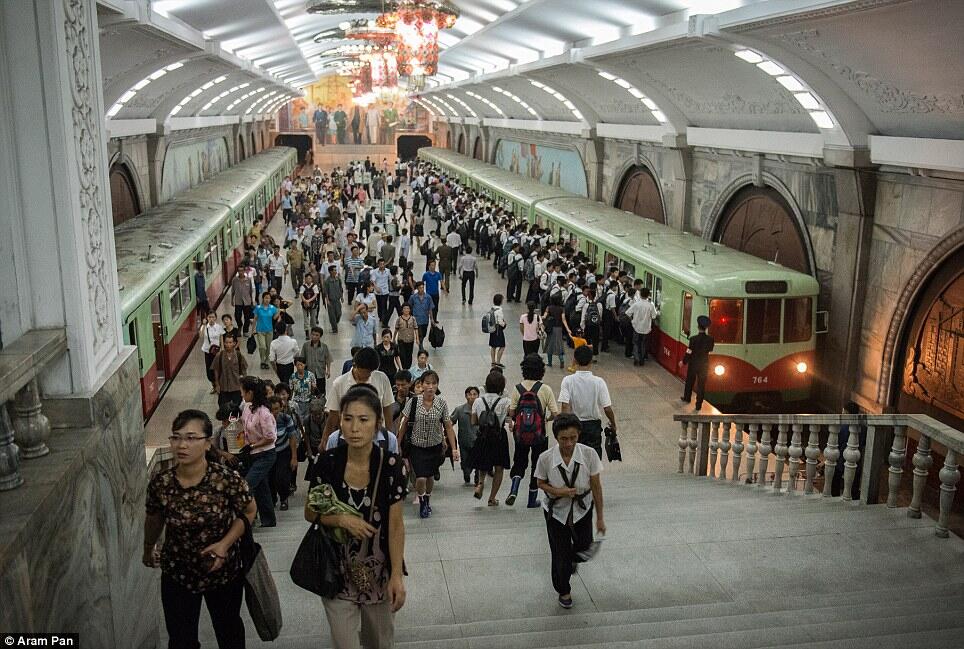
(140, 85)
(561, 98)
(636, 93)
(462, 104)
(190, 97)
(517, 100)
(487, 102)
(806, 97)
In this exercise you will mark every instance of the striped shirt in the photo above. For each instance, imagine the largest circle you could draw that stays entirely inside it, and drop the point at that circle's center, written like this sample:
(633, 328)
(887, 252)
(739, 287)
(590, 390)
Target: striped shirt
(353, 269)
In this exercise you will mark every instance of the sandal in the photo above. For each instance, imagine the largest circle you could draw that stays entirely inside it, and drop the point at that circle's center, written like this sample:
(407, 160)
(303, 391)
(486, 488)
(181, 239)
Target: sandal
(494, 503)
(477, 494)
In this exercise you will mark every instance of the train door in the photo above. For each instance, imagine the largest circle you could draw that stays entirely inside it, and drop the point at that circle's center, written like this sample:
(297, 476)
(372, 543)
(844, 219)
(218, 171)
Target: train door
(686, 329)
(157, 328)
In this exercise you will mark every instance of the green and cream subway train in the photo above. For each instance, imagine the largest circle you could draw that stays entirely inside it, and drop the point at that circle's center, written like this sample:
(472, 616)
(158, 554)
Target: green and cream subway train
(763, 315)
(158, 249)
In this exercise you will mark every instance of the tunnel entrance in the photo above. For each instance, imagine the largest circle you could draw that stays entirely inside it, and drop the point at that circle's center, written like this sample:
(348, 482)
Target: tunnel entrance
(639, 194)
(302, 143)
(408, 145)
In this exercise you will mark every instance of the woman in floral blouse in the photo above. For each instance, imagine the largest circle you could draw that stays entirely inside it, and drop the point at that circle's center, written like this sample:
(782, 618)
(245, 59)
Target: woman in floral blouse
(374, 482)
(200, 504)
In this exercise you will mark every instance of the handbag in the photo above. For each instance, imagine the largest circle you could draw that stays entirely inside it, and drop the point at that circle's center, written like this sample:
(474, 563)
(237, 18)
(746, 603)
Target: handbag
(252, 345)
(260, 592)
(362, 569)
(244, 458)
(613, 452)
(317, 563)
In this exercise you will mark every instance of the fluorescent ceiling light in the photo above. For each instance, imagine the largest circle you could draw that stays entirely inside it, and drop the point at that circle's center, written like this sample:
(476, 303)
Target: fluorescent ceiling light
(622, 83)
(770, 68)
(749, 56)
(157, 75)
(143, 82)
(636, 93)
(822, 119)
(650, 104)
(791, 84)
(660, 117)
(537, 84)
(126, 97)
(174, 66)
(807, 100)
(116, 108)
(607, 76)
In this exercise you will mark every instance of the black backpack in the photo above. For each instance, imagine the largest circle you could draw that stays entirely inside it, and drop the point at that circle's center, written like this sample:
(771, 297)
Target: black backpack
(592, 313)
(489, 424)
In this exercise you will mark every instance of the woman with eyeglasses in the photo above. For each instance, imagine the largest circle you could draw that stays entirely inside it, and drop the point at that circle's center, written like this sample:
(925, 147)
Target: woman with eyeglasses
(198, 504)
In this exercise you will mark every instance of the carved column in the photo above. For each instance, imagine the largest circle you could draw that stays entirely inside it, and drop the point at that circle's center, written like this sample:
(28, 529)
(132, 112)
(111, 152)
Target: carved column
(765, 450)
(682, 443)
(10, 477)
(949, 476)
(31, 428)
(922, 464)
(737, 451)
(851, 457)
(724, 448)
(831, 455)
(751, 450)
(796, 452)
(896, 460)
(813, 454)
(714, 448)
(58, 195)
(781, 451)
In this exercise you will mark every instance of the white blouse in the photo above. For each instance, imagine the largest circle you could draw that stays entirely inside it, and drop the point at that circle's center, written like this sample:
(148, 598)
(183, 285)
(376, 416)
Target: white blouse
(549, 467)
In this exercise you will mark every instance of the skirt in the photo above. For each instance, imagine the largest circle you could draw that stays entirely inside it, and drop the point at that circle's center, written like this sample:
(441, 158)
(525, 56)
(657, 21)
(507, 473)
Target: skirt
(418, 230)
(490, 452)
(497, 338)
(555, 345)
(425, 460)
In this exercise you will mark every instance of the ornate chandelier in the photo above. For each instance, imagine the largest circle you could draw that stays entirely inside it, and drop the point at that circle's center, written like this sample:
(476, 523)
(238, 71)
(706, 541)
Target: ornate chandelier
(417, 24)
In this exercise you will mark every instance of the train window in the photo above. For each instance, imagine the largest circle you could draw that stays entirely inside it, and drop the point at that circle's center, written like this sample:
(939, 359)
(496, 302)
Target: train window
(797, 320)
(174, 295)
(592, 250)
(658, 291)
(687, 313)
(648, 281)
(212, 260)
(629, 268)
(610, 261)
(762, 321)
(184, 282)
(726, 317)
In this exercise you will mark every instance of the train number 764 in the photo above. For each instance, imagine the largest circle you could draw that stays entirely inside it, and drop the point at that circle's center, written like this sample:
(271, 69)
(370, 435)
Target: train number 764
(761, 379)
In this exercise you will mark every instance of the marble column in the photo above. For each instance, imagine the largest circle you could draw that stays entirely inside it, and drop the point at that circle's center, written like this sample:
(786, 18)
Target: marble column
(57, 199)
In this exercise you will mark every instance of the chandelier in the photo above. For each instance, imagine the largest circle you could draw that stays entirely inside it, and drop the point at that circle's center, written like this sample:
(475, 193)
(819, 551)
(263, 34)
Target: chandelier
(417, 24)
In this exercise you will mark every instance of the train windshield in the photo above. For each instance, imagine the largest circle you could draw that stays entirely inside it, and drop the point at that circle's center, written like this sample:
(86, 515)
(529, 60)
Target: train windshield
(797, 320)
(762, 321)
(726, 317)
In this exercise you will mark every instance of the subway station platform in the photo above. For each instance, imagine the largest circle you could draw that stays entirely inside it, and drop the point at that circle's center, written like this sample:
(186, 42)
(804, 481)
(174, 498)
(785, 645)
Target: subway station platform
(684, 564)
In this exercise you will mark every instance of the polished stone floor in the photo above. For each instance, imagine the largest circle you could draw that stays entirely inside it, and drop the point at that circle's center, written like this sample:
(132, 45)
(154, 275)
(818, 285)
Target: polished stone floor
(681, 558)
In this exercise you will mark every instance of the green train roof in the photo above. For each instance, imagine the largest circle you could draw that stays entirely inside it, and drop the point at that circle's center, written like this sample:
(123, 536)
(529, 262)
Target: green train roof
(719, 271)
(177, 229)
(453, 161)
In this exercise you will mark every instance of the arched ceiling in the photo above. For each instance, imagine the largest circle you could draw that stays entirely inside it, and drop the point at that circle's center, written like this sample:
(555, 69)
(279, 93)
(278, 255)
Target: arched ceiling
(834, 71)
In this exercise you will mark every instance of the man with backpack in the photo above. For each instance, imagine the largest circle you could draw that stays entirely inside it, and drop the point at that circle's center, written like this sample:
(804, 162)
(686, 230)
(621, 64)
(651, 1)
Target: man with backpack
(532, 405)
(514, 268)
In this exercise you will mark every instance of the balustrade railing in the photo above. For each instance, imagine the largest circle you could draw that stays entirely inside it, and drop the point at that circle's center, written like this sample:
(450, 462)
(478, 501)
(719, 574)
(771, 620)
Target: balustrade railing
(24, 429)
(738, 448)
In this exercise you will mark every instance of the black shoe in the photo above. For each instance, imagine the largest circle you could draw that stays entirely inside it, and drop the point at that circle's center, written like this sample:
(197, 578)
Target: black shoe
(438, 476)
(284, 506)
(684, 399)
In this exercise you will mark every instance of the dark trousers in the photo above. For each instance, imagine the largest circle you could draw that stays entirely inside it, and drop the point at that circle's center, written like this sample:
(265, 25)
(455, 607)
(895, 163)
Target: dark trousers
(287, 212)
(534, 294)
(277, 281)
(257, 478)
(591, 435)
(381, 301)
(695, 381)
(628, 338)
(229, 397)
(285, 370)
(610, 331)
(564, 542)
(394, 305)
(422, 333)
(242, 317)
(592, 337)
(521, 457)
(435, 301)
(468, 277)
(405, 353)
(182, 612)
(208, 359)
(513, 288)
(640, 342)
(530, 346)
(350, 288)
(280, 479)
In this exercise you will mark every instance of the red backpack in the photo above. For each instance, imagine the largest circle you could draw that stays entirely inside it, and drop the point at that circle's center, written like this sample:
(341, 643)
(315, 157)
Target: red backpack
(530, 421)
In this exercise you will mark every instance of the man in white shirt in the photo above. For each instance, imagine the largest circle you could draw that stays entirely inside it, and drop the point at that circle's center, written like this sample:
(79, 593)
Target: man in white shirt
(278, 266)
(281, 353)
(405, 245)
(569, 476)
(454, 241)
(381, 277)
(587, 396)
(642, 312)
(364, 370)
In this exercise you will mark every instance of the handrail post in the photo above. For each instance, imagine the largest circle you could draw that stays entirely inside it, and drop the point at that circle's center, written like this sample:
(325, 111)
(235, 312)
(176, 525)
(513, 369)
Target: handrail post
(781, 451)
(724, 448)
(751, 450)
(922, 464)
(10, 477)
(949, 476)
(851, 458)
(714, 449)
(31, 427)
(738, 447)
(682, 443)
(765, 449)
(692, 443)
(813, 455)
(896, 460)
(831, 455)
(796, 452)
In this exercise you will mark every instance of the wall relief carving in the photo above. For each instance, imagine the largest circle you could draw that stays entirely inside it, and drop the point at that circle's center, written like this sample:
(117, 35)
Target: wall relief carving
(890, 98)
(86, 121)
(728, 103)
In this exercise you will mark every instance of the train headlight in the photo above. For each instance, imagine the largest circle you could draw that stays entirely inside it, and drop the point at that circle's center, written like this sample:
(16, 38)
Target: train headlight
(802, 367)
(719, 370)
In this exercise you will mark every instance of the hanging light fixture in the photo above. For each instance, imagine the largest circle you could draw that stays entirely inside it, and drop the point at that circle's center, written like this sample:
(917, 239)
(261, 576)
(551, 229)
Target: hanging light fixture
(416, 24)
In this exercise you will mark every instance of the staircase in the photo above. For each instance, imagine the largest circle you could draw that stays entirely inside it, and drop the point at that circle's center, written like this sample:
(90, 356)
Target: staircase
(687, 563)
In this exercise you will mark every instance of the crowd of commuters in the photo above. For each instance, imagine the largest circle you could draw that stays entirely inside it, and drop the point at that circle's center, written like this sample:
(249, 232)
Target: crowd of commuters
(384, 424)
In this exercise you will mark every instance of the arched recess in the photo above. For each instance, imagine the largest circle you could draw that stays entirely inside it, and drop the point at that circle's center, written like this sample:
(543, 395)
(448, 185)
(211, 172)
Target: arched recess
(462, 143)
(639, 193)
(263, 146)
(478, 150)
(254, 148)
(241, 155)
(407, 146)
(761, 222)
(124, 200)
(930, 357)
(448, 139)
(303, 143)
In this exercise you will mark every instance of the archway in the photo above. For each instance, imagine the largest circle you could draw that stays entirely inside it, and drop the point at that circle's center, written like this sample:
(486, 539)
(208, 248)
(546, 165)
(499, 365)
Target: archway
(462, 143)
(448, 139)
(931, 355)
(302, 143)
(477, 149)
(241, 155)
(408, 145)
(760, 222)
(639, 194)
(263, 145)
(123, 194)
(254, 148)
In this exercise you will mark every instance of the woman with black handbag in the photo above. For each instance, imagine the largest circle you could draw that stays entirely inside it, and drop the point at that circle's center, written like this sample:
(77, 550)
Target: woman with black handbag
(372, 481)
(197, 502)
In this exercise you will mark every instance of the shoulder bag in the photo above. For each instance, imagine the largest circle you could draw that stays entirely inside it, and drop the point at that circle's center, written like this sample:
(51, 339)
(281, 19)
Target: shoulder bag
(260, 592)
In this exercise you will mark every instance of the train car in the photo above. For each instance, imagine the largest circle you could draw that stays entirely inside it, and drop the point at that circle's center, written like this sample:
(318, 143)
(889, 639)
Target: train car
(157, 252)
(763, 315)
(460, 166)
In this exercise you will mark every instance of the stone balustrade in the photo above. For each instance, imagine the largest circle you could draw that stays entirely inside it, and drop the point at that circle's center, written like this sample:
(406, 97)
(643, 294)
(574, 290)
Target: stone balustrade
(24, 429)
(737, 448)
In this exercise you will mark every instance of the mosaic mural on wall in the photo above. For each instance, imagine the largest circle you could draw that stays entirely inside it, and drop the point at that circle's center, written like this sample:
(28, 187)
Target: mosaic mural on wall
(189, 164)
(550, 166)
